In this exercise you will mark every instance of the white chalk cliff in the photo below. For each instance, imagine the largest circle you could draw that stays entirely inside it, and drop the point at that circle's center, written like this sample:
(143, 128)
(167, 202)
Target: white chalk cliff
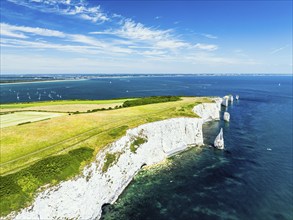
(208, 111)
(83, 197)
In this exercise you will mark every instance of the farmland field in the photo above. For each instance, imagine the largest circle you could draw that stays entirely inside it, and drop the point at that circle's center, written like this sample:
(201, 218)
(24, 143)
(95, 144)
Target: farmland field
(28, 143)
(62, 106)
(25, 117)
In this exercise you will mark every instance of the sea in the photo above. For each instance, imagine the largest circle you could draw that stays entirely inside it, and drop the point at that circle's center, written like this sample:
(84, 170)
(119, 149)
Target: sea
(251, 179)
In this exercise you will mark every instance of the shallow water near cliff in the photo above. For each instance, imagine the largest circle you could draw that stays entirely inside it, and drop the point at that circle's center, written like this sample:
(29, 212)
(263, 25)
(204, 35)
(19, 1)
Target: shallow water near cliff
(251, 179)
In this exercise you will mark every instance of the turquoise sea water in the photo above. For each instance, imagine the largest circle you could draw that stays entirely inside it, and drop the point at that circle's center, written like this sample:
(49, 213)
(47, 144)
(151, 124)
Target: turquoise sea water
(251, 179)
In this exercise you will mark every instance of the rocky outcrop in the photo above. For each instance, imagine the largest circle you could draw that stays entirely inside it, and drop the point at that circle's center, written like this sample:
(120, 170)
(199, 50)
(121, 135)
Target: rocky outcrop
(231, 98)
(225, 101)
(83, 197)
(219, 141)
(209, 111)
(226, 116)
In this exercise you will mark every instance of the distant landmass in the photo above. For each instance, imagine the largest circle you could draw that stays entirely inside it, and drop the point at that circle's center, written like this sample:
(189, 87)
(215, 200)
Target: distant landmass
(23, 78)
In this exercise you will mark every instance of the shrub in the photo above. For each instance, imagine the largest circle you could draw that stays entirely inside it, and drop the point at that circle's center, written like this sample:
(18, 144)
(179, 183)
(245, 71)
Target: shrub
(136, 143)
(150, 100)
(23, 123)
(116, 132)
(109, 160)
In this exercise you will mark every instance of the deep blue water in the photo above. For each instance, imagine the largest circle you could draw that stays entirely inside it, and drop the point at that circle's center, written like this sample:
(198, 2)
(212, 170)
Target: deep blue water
(246, 181)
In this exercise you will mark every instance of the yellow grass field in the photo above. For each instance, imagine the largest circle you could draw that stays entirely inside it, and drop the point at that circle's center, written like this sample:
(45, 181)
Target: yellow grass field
(28, 143)
(24, 117)
(62, 106)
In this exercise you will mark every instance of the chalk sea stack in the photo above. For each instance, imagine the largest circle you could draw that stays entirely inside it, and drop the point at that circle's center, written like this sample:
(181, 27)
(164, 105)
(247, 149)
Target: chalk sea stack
(226, 116)
(231, 98)
(225, 101)
(219, 141)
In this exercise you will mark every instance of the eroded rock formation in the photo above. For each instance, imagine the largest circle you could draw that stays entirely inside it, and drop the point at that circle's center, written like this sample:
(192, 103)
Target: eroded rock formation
(226, 116)
(219, 141)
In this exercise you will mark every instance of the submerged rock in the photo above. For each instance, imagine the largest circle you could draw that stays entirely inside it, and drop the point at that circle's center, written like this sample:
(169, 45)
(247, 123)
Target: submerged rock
(226, 116)
(219, 141)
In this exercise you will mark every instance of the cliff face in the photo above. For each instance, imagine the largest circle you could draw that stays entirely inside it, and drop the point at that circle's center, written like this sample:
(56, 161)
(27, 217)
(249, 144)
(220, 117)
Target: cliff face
(209, 111)
(83, 197)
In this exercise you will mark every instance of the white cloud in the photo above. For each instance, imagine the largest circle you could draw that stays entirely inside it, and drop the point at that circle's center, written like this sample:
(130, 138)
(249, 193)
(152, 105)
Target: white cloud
(153, 52)
(66, 7)
(8, 33)
(278, 49)
(143, 36)
(210, 36)
(171, 44)
(93, 14)
(133, 39)
(138, 31)
(67, 42)
(207, 47)
(86, 40)
(17, 31)
(132, 33)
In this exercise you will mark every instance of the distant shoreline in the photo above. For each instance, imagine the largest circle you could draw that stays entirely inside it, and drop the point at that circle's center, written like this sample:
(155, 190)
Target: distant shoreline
(143, 75)
(44, 81)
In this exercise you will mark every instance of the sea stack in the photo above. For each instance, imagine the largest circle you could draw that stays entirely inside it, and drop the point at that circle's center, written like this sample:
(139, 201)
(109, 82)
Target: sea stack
(219, 141)
(226, 116)
(231, 99)
(225, 101)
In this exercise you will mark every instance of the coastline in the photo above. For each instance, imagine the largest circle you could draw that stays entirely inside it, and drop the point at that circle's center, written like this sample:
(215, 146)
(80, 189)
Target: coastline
(74, 197)
(117, 76)
(45, 81)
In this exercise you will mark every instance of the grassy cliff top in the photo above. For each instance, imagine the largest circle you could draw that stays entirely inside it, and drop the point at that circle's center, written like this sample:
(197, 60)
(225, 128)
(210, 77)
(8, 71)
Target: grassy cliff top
(24, 144)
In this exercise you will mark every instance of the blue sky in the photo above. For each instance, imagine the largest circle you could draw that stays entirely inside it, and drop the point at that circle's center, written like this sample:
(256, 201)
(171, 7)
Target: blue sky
(79, 36)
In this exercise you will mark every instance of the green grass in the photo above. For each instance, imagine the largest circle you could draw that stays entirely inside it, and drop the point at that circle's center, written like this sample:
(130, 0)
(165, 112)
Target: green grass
(67, 106)
(136, 143)
(59, 102)
(25, 117)
(117, 132)
(17, 190)
(110, 159)
(24, 145)
(150, 100)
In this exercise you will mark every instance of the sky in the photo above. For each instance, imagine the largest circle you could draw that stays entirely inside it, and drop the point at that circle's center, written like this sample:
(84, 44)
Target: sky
(88, 36)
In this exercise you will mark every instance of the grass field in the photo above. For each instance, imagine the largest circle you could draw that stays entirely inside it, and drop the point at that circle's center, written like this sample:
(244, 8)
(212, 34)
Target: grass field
(28, 143)
(28, 150)
(62, 105)
(18, 118)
